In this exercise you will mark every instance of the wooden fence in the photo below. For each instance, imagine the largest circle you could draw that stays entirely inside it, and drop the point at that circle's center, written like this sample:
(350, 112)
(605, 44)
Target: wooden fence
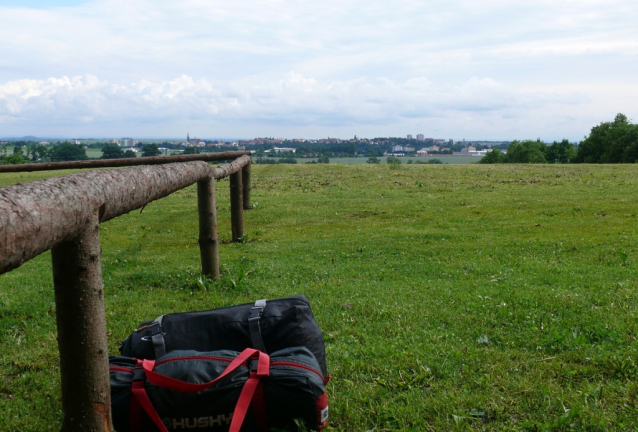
(63, 214)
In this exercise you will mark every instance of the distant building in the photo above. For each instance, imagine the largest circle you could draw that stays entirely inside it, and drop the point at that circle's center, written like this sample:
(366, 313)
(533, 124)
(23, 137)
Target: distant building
(409, 136)
(193, 141)
(283, 149)
(398, 148)
(419, 137)
(268, 141)
(42, 143)
(330, 140)
(386, 154)
(114, 141)
(128, 142)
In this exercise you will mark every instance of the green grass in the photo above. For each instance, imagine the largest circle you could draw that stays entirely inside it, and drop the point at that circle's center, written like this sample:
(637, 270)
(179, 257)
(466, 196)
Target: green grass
(452, 297)
(94, 153)
(404, 160)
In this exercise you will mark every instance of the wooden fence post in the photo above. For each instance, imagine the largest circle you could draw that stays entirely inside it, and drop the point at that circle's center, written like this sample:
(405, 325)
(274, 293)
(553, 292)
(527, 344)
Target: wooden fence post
(208, 238)
(82, 341)
(236, 206)
(245, 178)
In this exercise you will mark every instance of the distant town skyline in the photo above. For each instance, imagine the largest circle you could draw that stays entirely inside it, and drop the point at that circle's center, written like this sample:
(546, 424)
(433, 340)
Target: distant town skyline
(110, 138)
(496, 70)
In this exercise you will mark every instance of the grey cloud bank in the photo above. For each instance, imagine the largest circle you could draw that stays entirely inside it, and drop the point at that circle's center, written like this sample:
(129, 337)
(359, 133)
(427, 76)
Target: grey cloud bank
(499, 70)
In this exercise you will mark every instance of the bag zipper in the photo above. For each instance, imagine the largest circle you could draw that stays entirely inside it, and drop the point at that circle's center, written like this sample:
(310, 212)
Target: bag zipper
(120, 369)
(223, 359)
(299, 366)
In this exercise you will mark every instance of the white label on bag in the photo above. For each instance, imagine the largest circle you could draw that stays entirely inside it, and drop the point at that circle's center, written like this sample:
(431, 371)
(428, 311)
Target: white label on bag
(324, 415)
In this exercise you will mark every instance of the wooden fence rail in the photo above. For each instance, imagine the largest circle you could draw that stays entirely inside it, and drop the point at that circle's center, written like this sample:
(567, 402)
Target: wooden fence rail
(63, 214)
(124, 162)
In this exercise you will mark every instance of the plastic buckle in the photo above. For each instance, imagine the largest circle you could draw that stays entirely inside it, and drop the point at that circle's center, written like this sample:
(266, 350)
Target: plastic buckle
(152, 330)
(255, 313)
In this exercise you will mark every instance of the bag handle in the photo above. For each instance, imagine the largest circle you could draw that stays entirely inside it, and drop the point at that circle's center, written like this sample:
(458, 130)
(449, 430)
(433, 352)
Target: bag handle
(260, 367)
(186, 387)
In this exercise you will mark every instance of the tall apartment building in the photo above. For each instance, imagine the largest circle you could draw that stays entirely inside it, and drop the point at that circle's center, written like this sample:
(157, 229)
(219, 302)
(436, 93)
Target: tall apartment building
(420, 137)
(409, 136)
(128, 142)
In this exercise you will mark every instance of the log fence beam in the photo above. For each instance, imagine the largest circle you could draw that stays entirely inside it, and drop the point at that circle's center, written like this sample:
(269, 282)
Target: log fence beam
(124, 162)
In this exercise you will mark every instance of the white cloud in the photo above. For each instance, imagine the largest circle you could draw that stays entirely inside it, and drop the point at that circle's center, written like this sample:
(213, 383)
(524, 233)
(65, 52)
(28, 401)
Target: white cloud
(356, 63)
(295, 100)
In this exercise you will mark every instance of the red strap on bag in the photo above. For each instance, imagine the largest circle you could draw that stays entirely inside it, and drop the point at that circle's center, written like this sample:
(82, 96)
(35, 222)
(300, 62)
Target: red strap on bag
(186, 387)
(243, 403)
(248, 392)
(259, 408)
(140, 394)
(245, 398)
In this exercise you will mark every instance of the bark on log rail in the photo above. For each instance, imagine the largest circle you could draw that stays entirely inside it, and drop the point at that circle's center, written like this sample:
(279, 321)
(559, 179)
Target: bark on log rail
(230, 168)
(112, 163)
(38, 215)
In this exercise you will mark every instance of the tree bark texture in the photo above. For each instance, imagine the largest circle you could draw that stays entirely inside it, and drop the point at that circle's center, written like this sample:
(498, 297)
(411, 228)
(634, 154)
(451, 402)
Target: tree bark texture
(36, 216)
(106, 163)
(229, 168)
(208, 238)
(81, 321)
(236, 206)
(245, 179)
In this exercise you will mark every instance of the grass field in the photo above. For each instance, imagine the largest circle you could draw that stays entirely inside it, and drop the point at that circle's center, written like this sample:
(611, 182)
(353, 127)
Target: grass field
(452, 297)
(405, 160)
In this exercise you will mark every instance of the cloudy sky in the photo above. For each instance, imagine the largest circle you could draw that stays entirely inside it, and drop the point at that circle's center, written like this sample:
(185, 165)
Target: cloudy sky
(488, 69)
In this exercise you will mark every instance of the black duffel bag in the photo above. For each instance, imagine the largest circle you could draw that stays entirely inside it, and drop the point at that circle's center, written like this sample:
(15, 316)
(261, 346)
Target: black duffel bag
(268, 326)
(219, 391)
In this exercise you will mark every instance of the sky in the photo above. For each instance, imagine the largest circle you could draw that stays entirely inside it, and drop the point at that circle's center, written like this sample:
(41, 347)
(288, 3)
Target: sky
(451, 69)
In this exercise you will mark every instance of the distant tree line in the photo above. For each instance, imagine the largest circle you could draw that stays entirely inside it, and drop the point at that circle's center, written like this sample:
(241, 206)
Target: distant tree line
(609, 142)
(30, 152)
